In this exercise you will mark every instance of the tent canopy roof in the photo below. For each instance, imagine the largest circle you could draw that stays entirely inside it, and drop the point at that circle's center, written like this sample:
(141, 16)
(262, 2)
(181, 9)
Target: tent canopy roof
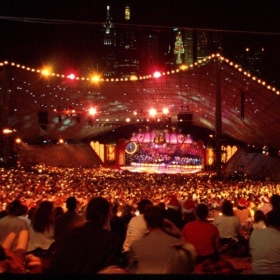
(191, 90)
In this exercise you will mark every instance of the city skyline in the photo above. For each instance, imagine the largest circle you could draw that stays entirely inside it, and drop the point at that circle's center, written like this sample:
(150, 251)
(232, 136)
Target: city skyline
(67, 35)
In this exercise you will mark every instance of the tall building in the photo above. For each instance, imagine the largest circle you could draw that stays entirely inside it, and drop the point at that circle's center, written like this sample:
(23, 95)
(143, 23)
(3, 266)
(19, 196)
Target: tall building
(252, 60)
(109, 47)
(192, 45)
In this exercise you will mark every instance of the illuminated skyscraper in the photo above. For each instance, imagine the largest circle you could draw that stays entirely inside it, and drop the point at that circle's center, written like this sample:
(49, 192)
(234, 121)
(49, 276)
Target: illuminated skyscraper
(108, 60)
(196, 45)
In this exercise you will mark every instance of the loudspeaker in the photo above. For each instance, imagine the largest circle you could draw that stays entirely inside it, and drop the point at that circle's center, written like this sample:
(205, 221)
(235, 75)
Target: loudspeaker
(185, 117)
(43, 117)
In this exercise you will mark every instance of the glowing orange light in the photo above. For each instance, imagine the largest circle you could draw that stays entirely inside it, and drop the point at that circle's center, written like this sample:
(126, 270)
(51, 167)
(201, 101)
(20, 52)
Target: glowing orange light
(18, 140)
(92, 111)
(95, 78)
(157, 74)
(46, 72)
(61, 141)
(152, 112)
(133, 78)
(165, 111)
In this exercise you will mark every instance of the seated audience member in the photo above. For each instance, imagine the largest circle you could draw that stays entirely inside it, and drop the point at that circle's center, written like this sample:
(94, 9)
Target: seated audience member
(128, 212)
(117, 224)
(90, 247)
(181, 260)
(265, 206)
(203, 235)
(68, 219)
(149, 254)
(23, 215)
(260, 220)
(227, 223)
(243, 213)
(42, 228)
(57, 212)
(265, 246)
(174, 213)
(188, 210)
(275, 201)
(11, 222)
(137, 226)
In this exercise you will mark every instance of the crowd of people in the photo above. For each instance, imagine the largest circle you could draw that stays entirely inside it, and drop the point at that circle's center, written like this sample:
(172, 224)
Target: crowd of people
(141, 222)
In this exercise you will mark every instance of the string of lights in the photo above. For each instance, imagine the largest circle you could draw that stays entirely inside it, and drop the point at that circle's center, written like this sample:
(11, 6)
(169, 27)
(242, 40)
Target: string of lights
(155, 75)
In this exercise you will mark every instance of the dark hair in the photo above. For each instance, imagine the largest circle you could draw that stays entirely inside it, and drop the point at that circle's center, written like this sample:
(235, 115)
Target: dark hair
(71, 203)
(42, 219)
(273, 218)
(201, 211)
(259, 216)
(58, 211)
(15, 208)
(3, 213)
(31, 212)
(143, 204)
(98, 209)
(227, 209)
(275, 201)
(154, 217)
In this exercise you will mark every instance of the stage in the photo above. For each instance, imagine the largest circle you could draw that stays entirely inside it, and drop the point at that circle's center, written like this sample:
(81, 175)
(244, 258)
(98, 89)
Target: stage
(162, 168)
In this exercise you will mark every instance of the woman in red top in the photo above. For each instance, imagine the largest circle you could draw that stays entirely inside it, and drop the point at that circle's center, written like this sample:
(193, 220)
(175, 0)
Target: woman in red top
(203, 235)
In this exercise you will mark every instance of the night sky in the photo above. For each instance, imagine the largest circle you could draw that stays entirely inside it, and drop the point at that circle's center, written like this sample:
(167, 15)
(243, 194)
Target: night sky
(71, 41)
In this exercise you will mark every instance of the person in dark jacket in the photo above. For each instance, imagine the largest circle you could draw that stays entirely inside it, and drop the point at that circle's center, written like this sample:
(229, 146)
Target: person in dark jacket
(69, 219)
(90, 247)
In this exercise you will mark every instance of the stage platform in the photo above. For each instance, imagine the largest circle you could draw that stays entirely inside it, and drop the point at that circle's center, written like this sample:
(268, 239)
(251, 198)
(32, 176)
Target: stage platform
(162, 168)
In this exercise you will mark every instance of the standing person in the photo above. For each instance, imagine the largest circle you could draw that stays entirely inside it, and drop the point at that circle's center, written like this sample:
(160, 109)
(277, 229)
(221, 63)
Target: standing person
(137, 226)
(228, 224)
(11, 222)
(89, 248)
(265, 246)
(69, 219)
(42, 227)
(203, 235)
(149, 254)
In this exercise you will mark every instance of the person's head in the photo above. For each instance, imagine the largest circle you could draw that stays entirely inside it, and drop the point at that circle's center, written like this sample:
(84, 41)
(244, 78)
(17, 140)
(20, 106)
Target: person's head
(227, 209)
(259, 216)
(58, 211)
(71, 203)
(15, 208)
(143, 204)
(154, 217)
(201, 211)
(179, 262)
(273, 218)
(43, 216)
(275, 201)
(98, 210)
